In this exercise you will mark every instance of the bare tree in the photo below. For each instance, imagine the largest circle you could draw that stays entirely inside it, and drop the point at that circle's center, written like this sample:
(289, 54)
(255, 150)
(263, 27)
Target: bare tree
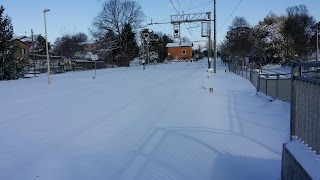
(239, 22)
(114, 15)
(68, 45)
(115, 24)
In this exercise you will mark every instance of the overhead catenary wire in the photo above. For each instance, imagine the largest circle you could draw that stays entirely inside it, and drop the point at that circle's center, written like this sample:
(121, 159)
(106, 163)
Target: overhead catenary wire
(175, 7)
(230, 15)
(204, 8)
(192, 36)
(159, 25)
(163, 20)
(190, 5)
(180, 6)
(205, 3)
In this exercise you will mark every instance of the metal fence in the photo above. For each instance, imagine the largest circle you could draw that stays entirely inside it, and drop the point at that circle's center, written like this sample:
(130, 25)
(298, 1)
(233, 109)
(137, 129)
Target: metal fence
(291, 168)
(302, 89)
(305, 104)
(277, 86)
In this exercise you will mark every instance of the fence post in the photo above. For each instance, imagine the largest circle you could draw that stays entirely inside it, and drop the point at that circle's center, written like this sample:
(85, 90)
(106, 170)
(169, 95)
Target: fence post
(258, 81)
(242, 69)
(277, 87)
(295, 71)
(267, 76)
(250, 73)
(246, 72)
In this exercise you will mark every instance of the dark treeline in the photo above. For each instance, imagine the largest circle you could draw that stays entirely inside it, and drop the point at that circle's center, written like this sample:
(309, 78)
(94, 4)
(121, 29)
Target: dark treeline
(275, 39)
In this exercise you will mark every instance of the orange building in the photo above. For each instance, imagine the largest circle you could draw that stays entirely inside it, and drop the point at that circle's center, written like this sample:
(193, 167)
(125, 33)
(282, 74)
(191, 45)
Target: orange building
(179, 51)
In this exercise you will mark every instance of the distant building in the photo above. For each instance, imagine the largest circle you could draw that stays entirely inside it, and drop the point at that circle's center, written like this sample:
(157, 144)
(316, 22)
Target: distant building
(22, 45)
(179, 51)
(92, 47)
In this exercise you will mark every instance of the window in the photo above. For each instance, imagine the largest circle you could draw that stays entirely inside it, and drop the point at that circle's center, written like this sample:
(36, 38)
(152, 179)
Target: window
(184, 52)
(23, 51)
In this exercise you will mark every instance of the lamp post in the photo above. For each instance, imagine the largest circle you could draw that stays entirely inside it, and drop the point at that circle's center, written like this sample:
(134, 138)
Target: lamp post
(47, 51)
(215, 39)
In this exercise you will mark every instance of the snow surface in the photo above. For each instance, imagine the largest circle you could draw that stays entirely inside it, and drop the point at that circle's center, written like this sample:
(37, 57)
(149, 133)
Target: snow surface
(276, 69)
(306, 158)
(161, 123)
(185, 44)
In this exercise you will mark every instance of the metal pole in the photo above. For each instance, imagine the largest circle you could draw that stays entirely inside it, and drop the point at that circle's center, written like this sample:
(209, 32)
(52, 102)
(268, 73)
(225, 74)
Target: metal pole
(95, 69)
(317, 41)
(295, 71)
(148, 52)
(143, 49)
(112, 58)
(47, 51)
(209, 44)
(215, 39)
(34, 61)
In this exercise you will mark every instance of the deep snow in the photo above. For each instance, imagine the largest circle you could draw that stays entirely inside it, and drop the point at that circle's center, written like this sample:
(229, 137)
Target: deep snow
(161, 123)
(305, 157)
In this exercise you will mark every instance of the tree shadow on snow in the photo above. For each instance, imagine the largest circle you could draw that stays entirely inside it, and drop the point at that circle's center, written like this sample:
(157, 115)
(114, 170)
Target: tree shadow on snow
(200, 153)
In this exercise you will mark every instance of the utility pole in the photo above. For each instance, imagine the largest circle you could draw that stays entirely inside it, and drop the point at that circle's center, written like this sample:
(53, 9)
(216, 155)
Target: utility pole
(143, 53)
(148, 53)
(318, 27)
(209, 44)
(215, 38)
(34, 61)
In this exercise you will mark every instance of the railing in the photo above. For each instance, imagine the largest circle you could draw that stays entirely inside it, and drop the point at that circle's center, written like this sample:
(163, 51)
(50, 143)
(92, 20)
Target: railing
(277, 86)
(305, 104)
(302, 89)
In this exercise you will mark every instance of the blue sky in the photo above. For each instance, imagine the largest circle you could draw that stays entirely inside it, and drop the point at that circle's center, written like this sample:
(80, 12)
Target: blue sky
(73, 16)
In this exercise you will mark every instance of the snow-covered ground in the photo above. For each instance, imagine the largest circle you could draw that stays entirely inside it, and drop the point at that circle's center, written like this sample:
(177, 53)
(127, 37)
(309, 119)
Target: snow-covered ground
(276, 69)
(161, 123)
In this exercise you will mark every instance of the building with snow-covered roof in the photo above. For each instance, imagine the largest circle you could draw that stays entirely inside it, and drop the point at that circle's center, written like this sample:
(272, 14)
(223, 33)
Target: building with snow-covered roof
(22, 46)
(179, 50)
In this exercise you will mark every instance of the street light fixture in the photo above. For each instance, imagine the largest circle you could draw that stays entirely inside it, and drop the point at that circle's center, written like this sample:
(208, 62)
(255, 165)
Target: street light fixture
(47, 51)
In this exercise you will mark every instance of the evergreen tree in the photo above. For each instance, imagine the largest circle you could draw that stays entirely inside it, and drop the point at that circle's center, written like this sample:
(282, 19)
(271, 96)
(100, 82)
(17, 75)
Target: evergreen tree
(40, 45)
(129, 47)
(6, 46)
(165, 39)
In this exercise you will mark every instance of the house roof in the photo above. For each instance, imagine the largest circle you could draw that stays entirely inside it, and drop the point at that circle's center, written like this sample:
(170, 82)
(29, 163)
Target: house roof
(22, 38)
(186, 44)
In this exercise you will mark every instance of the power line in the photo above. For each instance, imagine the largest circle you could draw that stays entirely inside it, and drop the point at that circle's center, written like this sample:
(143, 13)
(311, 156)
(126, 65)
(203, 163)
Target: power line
(204, 8)
(164, 19)
(180, 6)
(186, 11)
(174, 7)
(190, 5)
(230, 15)
(190, 32)
(205, 3)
